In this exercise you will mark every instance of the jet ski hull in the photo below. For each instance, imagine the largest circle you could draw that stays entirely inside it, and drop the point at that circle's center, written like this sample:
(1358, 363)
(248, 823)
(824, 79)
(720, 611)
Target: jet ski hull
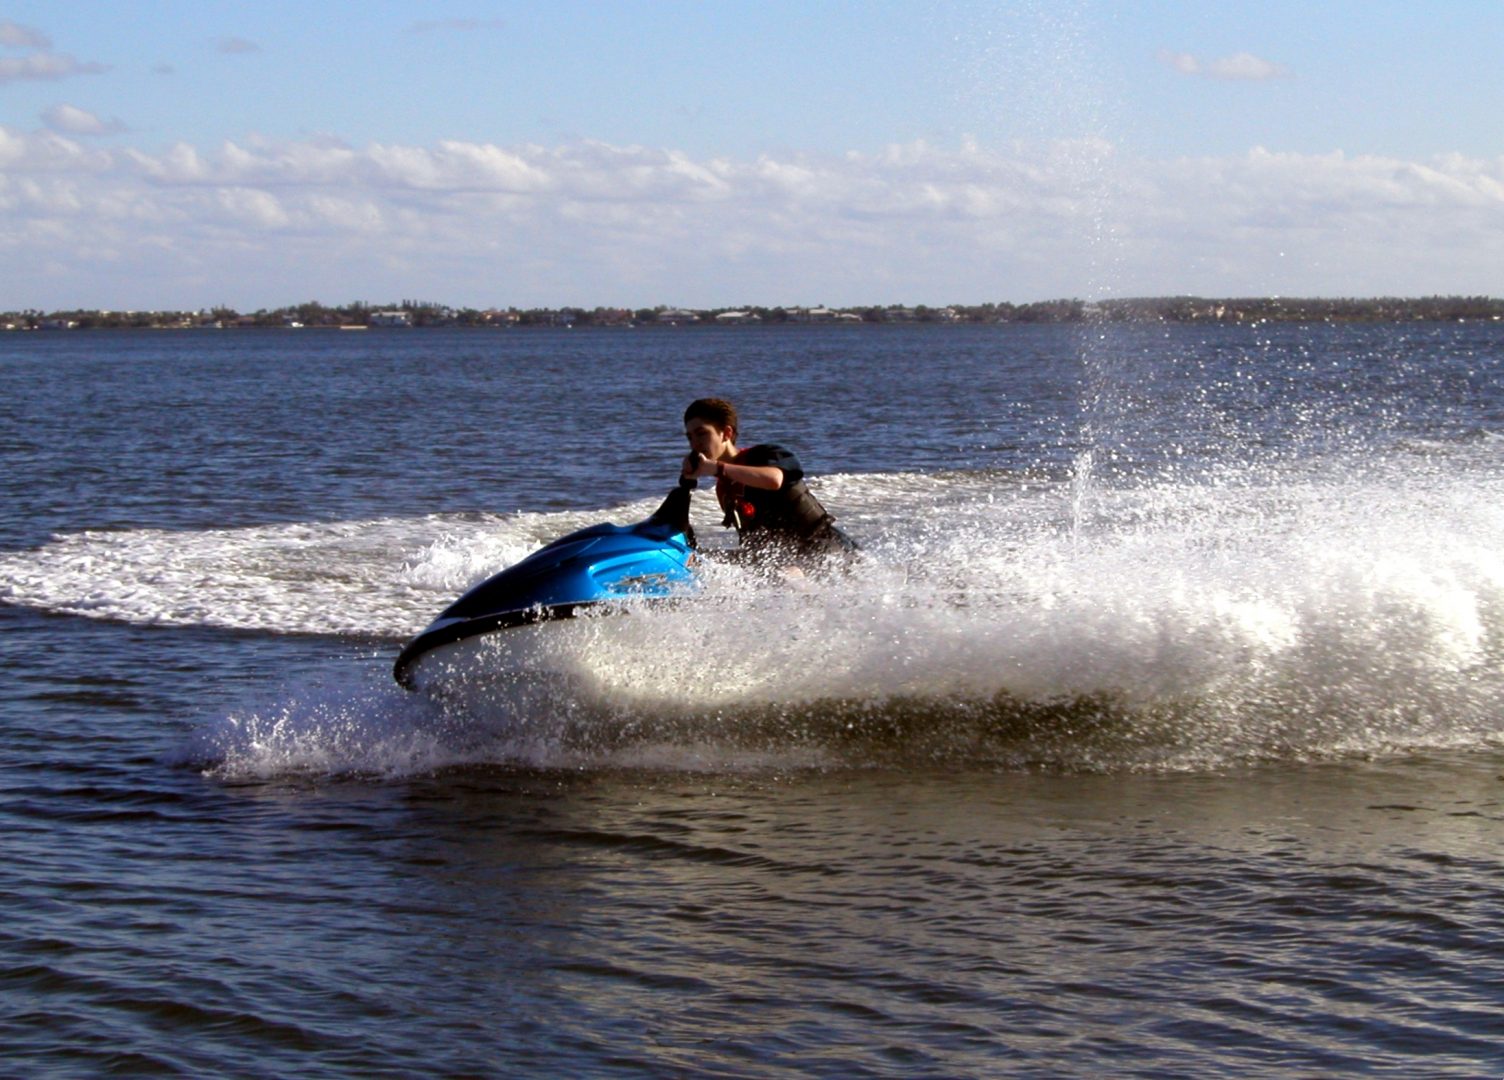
(588, 570)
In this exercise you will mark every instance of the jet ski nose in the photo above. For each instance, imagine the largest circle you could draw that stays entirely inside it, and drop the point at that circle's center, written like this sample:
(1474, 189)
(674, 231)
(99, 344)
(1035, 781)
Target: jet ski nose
(590, 569)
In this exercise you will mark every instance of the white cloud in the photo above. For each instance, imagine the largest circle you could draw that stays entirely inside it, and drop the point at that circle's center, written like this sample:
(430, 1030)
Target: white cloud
(46, 152)
(451, 166)
(1247, 67)
(1239, 67)
(71, 120)
(236, 46)
(253, 208)
(39, 63)
(1184, 63)
(43, 66)
(590, 222)
(22, 37)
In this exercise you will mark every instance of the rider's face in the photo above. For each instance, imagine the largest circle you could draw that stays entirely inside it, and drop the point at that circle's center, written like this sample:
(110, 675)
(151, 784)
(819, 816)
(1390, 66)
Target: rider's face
(708, 439)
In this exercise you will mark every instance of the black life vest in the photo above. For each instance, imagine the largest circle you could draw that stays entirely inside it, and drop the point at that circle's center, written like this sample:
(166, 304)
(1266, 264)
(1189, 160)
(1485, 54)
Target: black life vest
(789, 518)
(793, 508)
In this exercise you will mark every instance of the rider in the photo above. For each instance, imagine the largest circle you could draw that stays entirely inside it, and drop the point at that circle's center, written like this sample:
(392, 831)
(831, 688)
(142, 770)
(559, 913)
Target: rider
(761, 488)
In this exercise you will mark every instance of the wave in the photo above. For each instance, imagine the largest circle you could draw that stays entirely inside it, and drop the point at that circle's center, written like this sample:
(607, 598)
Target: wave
(997, 620)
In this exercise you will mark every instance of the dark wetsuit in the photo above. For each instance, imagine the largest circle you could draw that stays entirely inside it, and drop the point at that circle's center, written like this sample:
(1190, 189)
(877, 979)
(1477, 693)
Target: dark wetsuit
(790, 519)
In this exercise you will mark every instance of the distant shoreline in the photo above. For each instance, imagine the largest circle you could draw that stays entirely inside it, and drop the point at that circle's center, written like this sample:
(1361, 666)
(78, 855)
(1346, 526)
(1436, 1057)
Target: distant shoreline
(420, 314)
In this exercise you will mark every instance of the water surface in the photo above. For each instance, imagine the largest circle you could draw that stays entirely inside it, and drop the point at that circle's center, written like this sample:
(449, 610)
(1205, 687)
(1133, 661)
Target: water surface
(1159, 733)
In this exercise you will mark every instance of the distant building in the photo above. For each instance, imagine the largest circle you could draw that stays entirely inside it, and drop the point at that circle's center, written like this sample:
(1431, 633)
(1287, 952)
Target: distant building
(812, 315)
(731, 318)
(391, 318)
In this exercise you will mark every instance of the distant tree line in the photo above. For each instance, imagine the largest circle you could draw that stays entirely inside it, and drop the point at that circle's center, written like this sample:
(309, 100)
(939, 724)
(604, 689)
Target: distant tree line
(424, 313)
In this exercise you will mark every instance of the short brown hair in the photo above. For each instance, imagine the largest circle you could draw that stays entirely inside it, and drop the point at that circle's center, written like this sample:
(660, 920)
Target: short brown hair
(713, 410)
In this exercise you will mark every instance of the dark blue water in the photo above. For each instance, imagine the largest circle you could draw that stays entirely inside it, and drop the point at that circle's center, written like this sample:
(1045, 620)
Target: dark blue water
(1160, 733)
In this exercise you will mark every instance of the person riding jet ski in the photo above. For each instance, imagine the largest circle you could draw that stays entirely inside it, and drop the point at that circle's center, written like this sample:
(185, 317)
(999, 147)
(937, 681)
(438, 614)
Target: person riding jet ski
(760, 488)
(605, 567)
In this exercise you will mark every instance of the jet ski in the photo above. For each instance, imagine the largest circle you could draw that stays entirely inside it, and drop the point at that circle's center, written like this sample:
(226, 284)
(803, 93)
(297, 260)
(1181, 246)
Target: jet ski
(587, 570)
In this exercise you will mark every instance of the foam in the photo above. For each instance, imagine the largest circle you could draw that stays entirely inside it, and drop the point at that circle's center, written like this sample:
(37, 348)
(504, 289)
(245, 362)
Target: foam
(1226, 618)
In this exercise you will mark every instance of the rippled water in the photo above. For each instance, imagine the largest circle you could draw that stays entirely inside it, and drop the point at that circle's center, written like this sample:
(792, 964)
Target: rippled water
(1158, 734)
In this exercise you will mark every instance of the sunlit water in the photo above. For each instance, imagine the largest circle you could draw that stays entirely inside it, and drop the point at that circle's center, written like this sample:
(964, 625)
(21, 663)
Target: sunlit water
(1157, 731)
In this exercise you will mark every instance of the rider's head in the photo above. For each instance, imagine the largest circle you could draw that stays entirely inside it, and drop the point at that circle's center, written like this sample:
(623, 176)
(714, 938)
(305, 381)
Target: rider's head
(717, 412)
(710, 427)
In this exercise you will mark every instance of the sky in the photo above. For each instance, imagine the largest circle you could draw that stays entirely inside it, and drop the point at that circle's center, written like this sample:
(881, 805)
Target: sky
(165, 154)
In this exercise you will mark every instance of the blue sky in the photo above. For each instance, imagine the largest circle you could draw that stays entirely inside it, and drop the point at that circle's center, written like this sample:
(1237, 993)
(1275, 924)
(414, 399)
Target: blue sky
(256, 154)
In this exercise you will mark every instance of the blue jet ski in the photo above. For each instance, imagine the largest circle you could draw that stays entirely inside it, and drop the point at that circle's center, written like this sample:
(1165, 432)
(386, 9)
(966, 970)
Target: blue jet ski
(595, 566)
